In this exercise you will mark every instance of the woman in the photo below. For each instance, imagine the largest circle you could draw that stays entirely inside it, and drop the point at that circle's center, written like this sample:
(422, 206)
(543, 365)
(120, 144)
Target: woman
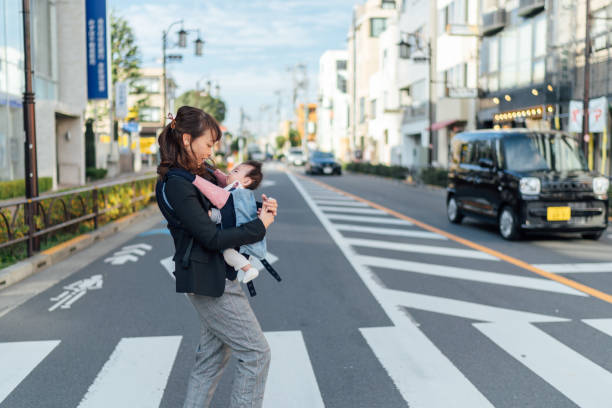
(228, 323)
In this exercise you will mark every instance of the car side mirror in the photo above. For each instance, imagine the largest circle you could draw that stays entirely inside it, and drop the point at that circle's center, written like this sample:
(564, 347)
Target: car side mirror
(485, 163)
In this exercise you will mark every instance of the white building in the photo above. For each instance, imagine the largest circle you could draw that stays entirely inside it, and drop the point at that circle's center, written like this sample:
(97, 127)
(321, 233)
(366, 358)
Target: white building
(457, 72)
(417, 23)
(333, 113)
(60, 86)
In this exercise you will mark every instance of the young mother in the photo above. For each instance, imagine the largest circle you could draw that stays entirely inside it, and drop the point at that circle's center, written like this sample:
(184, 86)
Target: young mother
(228, 323)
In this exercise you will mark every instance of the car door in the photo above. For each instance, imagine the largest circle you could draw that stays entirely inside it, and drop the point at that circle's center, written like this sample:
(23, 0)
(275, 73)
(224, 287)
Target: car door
(463, 177)
(485, 178)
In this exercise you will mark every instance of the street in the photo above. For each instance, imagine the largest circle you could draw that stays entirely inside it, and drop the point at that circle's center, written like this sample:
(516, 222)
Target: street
(373, 311)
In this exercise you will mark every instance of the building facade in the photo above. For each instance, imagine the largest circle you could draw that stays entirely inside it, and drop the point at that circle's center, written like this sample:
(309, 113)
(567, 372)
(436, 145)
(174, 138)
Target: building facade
(59, 84)
(332, 118)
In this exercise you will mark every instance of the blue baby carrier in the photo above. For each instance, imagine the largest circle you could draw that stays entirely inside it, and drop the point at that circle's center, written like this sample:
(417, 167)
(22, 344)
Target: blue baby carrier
(173, 221)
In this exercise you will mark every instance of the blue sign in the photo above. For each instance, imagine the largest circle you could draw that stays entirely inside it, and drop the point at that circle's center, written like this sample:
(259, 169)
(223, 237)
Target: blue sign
(97, 61)
(132, 127)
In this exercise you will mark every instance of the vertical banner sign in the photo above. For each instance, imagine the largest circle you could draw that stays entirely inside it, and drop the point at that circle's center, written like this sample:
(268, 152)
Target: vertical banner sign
(598, 113)
(575, 116)
(121, 95)
(97, 61)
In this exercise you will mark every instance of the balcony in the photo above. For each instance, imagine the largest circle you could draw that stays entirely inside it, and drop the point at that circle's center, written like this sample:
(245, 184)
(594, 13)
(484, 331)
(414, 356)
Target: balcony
(529, 8)
(493, 21)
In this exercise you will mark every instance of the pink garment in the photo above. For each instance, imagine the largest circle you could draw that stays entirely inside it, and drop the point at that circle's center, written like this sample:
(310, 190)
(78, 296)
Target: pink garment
(217, 195)
(221, 177)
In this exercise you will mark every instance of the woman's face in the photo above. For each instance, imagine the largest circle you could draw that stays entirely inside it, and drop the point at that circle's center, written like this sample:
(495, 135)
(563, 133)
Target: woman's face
(201, 146)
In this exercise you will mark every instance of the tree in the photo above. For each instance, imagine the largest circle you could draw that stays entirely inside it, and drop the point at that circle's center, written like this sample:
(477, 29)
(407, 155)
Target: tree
(206, 102)
(280, 142)
(125, 55)
(294, 138)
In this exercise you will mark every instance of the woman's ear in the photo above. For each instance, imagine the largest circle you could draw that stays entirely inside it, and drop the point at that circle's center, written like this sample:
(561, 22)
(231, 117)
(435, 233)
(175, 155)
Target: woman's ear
(186, 139)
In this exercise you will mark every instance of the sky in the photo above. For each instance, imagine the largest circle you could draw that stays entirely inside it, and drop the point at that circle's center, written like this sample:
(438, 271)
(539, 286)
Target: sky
(250, 44)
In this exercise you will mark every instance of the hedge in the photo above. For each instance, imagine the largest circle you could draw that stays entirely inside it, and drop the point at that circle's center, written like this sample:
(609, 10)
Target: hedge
(93, 173)
(435, 176)
(397, 172)
(16, 188)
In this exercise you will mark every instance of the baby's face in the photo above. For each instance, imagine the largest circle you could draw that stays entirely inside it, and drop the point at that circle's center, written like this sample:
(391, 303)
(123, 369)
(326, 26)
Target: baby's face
(239, 173)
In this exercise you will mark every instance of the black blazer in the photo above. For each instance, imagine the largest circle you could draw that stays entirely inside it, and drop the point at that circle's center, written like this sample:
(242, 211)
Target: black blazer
(206, 272)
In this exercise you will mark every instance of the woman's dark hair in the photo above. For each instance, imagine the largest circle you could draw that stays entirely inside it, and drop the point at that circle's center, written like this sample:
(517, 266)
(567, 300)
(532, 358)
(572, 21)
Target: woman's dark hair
(256, 175)
(173, 152)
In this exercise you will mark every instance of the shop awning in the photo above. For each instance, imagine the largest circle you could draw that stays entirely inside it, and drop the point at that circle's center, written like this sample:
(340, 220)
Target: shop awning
(444, 123)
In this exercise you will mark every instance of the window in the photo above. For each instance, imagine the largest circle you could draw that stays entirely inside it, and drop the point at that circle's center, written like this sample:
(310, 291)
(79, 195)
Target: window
(361, 109)
(388, 4)
(525, 36)
(465, 153)
(509, 52)
(377, 26)
(149, 114)
(386, 136)
(373, 109)
(341, 65)
(341, 83)
(146, 85)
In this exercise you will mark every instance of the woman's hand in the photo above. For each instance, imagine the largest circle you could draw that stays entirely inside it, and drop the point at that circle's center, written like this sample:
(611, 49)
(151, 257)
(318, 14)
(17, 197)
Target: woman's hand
(269, 204)
(266, 217)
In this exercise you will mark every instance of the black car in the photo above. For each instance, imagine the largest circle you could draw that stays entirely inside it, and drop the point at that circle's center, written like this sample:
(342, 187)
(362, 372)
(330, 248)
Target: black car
(526, 181)
(322, 163)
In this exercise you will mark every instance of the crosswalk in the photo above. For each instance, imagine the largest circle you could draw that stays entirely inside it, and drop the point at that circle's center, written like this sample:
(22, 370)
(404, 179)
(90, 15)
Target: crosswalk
(419, 368)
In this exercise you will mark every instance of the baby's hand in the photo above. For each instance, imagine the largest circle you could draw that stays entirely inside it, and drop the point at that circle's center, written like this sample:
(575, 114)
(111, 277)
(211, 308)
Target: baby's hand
(210, 213)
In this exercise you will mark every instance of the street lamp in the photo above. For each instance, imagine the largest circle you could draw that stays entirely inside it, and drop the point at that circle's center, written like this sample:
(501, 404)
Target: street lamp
(182, 43)
(405, 53)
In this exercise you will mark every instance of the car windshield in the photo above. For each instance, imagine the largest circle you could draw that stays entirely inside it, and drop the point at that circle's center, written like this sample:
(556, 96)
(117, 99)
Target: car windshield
(322, 155)
(543, 151)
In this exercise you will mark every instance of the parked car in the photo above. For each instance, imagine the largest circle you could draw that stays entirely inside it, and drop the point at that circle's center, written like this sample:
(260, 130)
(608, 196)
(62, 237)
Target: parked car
(296, 156)
(255, 153)
(526, 181)
(322, 163)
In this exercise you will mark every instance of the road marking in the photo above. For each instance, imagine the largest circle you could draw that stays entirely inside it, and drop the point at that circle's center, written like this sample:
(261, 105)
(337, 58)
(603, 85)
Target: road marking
(420, 370)
(390, 231)
(372, 220)
(168, 265)
(332, 197)
(603, 325)
(75, 291)
(352, 210)
(469, 274)
(157, 231)
(341, 203)
(423, 249)
(268, 183)
(18, 359)
(128, 253)
(291, 380)
(464, 309)
(586, 267)
(576, 377)
(509, 259)
(135, 375)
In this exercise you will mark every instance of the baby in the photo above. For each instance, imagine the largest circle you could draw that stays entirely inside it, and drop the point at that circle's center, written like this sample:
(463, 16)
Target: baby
(235, 205)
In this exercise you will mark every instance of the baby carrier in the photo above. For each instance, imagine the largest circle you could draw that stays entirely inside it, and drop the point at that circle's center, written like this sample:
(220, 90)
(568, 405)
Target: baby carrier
(173, 221)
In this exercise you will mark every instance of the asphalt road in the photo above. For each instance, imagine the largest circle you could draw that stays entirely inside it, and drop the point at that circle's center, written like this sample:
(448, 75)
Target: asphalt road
(372, 312)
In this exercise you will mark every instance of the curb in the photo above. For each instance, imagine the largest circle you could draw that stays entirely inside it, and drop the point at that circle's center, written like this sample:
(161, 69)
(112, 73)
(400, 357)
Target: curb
(23, 269)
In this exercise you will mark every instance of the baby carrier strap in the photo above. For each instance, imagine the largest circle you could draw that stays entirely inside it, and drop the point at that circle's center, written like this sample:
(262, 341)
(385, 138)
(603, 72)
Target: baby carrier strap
(272, 272)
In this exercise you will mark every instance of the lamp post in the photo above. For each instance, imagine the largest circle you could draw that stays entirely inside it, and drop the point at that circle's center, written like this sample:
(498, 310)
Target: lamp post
(405, 53)
(181, 43)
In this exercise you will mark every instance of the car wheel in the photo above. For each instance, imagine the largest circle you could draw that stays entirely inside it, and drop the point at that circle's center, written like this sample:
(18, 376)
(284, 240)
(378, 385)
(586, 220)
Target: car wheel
(452, 211)
(593, 235)
(508, 224)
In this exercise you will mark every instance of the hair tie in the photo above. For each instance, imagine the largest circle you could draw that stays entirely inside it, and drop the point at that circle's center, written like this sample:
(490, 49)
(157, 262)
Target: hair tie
(173, 123)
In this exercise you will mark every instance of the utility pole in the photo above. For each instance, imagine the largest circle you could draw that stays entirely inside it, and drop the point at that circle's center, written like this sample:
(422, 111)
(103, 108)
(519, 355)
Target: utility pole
(430, 112)
(354, 122)
(587, 76)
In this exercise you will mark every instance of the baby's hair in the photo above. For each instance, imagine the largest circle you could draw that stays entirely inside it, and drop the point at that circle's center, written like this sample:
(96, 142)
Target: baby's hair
(255, 174)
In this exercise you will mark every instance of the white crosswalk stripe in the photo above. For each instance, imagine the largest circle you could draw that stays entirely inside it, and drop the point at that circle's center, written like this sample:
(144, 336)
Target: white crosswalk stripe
(390, 231)
(135, 375)
(341, 203)
(347, 210)
(291, 380)
(417, 367)
(18, 359)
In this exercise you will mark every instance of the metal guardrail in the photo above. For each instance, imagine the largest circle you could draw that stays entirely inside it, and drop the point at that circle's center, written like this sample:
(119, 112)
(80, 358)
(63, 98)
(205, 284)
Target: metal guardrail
(92, 203)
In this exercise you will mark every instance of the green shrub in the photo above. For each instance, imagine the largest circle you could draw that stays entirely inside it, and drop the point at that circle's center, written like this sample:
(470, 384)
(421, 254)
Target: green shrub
(93, 173)
(435, 176)
(397, 172)
(16, 188)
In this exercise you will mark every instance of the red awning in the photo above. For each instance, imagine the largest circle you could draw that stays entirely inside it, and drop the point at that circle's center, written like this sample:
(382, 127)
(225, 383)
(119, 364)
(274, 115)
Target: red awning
(443, 124)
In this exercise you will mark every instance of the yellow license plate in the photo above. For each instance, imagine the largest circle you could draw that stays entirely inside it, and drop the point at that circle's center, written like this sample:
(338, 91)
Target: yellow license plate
(558, 213)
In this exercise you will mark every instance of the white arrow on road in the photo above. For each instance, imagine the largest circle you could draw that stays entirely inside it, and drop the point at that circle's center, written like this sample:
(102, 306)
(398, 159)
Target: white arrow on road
(128, 253)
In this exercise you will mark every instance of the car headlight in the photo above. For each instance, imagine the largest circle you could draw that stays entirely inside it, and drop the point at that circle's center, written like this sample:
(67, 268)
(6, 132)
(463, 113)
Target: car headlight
(530, 186)
(601, 185)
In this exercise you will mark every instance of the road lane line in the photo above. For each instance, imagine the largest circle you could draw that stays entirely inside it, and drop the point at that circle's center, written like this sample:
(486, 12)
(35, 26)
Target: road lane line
(585, 383)
(603, 325)
(332, 197)
(507, 258)
(341, 203)
(469, 274)
(291, 381)
(347, 210)
(389, 231)
(420, 370)
(135, 375)
(585, 267)
(18, 359)
(372, 220)
(423, 249)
